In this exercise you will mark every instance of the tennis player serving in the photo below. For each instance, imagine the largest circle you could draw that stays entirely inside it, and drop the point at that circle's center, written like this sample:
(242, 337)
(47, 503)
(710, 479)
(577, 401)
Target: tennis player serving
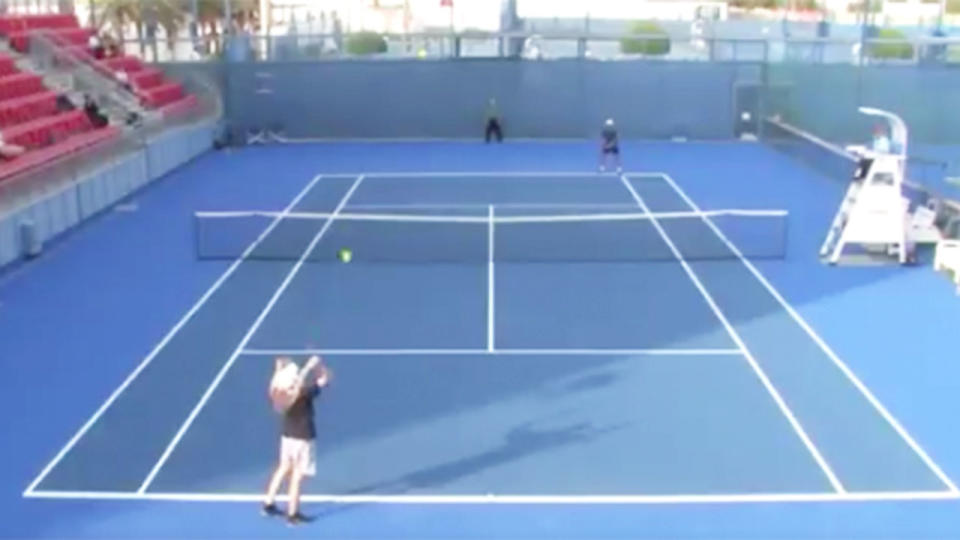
(292, 391)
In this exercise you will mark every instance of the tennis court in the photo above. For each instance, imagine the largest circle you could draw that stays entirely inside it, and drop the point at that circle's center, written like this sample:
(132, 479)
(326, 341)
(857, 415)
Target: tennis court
(507, 341)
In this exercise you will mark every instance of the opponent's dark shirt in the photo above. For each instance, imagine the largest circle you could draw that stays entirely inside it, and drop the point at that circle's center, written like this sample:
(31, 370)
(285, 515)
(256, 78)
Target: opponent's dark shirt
(610, 137)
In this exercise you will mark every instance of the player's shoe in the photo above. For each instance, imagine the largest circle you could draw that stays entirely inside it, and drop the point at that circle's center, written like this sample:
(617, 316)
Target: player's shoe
(294, 520)
(270, 510)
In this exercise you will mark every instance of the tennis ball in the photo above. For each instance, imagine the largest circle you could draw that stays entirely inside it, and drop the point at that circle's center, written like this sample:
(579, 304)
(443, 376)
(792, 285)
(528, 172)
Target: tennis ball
(345, 255)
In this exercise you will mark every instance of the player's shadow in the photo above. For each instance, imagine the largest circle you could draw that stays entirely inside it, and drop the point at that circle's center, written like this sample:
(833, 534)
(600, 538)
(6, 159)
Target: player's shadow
(520, 442)
(589, 382)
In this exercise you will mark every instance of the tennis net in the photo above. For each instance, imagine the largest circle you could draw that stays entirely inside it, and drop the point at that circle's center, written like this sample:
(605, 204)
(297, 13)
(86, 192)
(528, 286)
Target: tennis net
(822, 155)
(921, 173)
(501, 235)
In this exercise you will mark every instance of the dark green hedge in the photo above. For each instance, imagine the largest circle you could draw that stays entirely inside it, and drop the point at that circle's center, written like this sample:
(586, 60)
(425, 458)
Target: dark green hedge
(655, 42)
(366, 43)
(896, 50)
(874, 6)
(755, 4)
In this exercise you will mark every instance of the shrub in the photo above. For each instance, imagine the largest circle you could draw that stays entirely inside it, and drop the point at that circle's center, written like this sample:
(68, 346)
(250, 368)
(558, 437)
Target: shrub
(901, 49)
(754, 4)
(361, 43)
(655, 40)
(873, 6)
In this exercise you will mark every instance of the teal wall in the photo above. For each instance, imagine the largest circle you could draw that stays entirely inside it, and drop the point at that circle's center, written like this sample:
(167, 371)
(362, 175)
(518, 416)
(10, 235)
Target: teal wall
(446, 98)
(568, 98)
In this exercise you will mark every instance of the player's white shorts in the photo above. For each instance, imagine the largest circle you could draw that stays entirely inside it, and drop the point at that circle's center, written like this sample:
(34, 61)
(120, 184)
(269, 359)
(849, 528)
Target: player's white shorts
(301, 454)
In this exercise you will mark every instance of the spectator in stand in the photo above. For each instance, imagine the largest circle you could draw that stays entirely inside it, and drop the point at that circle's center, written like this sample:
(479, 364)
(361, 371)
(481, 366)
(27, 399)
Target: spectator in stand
(110, 47)
(64, 104)
(97, 118)
(10, 151)
(95, 44)
(124, 80)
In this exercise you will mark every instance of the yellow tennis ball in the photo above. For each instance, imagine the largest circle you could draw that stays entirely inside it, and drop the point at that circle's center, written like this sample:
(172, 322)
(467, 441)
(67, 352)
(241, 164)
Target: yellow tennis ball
(345, 255)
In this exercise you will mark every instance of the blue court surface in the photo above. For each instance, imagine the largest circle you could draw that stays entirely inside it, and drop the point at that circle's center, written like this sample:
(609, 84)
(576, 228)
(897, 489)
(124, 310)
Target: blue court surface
(492, 379)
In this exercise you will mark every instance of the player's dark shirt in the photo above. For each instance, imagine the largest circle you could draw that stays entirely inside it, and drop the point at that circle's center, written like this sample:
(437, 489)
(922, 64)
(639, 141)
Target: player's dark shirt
(298, 420)
(610, 137)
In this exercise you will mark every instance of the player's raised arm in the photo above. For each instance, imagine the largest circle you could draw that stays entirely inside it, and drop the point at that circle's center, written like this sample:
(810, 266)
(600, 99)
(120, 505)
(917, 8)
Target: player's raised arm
(323, 375)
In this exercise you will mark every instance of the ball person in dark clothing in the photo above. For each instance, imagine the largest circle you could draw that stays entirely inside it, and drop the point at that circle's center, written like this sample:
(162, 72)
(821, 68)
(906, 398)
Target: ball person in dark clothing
(493, 128)
(293, 391)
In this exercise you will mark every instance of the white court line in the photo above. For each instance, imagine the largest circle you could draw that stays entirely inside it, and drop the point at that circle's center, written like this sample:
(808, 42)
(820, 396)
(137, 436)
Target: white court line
(841, 365)
(504, 352)
(781, 404)
(478, 206)
(166, 339)
(243, 343)
(721, 498)
(480, 174)
(491, 294)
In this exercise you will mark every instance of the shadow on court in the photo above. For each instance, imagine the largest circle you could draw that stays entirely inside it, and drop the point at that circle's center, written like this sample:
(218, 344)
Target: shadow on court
(521, 441)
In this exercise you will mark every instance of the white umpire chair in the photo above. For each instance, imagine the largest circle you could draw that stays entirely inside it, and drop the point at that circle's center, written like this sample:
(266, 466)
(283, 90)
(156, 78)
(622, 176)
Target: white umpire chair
(875, 214)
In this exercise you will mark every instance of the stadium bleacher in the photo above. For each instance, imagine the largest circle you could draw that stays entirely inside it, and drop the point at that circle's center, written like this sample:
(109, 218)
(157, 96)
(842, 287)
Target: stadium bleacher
(20, 84)
(76, 36)
(23, 109)
(29, 113)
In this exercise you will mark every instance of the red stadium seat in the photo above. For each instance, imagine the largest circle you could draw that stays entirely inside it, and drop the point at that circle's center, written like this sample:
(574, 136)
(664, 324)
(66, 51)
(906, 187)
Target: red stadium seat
(7, 66)
(62, 149)
(27, 108)
(16, 23)
(129, 64)
(47, 130)
(146, 78)
(52, 21)
(20, 40)
(65, 36)
(20, 84)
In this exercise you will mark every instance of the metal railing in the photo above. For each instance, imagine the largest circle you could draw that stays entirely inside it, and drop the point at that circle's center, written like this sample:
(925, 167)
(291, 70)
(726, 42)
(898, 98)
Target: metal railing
(553, 45)
(81, 73)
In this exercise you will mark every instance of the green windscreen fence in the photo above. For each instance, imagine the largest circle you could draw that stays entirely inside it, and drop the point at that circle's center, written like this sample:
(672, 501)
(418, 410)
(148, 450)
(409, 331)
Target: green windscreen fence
(823, 99)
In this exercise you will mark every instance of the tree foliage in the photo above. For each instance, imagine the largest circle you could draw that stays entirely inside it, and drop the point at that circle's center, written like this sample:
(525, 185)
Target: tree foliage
(654, 40)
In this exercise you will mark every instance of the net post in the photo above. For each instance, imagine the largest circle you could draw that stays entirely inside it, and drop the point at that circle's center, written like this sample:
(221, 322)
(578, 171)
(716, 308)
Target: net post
(196, 237)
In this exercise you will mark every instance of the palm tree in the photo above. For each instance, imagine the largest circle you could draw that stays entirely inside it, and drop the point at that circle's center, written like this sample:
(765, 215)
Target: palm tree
(171, 15)
(211, 16)
(119, 13)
